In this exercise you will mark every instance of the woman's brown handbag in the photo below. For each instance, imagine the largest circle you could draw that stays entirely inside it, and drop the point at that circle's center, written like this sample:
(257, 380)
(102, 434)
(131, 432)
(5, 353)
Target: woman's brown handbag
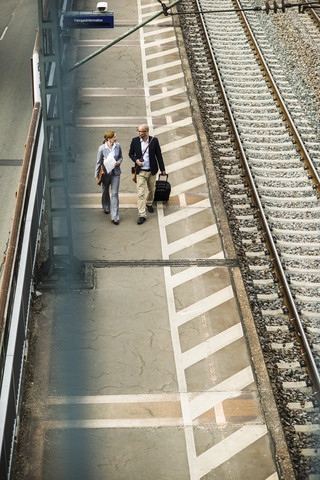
(101, 173)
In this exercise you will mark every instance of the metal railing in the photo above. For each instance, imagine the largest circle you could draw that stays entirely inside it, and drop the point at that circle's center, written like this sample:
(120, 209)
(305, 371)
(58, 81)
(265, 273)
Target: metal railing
(17, 279)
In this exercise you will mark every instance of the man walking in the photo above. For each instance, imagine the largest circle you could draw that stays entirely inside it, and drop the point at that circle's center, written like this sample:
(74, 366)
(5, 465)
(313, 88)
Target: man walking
(146, 154)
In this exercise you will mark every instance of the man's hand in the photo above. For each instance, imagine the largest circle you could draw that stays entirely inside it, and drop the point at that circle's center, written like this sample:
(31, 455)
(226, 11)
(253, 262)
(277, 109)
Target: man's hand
(163, 173)
(140, 164)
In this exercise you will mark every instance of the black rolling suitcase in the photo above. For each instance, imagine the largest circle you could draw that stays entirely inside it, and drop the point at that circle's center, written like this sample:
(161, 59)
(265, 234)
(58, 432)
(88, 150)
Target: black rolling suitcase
(163, 189)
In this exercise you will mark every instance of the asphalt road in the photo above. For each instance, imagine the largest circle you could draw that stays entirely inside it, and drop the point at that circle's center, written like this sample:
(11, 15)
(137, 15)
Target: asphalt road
(18, 25)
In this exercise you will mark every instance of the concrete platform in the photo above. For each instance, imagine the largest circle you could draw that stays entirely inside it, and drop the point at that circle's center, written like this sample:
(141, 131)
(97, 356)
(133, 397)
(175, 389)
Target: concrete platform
(149, 375)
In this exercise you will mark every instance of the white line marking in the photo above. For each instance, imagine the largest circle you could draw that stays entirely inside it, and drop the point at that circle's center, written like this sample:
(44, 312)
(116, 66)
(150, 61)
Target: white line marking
(160, 42)
(173, 108)
(149, 5)
(156, 21)
(187, 212)
(186, 418)
(182, 200)
(164, 66)
(166, 128)
(192, 272)
(274, 476)
(157, 32)
(144, 72)
(183, 163)
(181, 379)
(219, 414)
(122, 195)
(198, 308)
(115, 423)
(229, 447)
(106, 399)
(159, 21)
(86, 206)
(213, 344)
(162, 53)
(170, 78)
(208, 400)
(230, 388)
(169, 93)
(169, 147)
(183, 187)
(192, 239)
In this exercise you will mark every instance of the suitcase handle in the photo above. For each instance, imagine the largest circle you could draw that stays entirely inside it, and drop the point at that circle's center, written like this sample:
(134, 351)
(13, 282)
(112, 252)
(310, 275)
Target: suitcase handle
(165, 175)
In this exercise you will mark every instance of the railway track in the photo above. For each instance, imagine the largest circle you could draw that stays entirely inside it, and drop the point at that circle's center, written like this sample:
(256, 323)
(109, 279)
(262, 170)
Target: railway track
(277, 144)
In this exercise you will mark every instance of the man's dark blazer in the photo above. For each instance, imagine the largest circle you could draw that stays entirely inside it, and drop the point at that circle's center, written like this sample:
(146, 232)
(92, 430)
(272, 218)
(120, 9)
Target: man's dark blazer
(155, 155)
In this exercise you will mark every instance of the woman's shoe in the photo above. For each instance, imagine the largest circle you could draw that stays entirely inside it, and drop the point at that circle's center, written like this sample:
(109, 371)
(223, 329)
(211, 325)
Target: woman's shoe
(116, 222)
(107, 212)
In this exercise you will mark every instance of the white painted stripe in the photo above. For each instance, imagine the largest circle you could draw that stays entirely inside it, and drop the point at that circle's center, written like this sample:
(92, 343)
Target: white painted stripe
(191, 239)
(161, 81)
(219, 414)
(162, 53)
(160, 42)
(274, 476)
(187, 212)
(229, 388)
(172, 126)
(107, 399)
(149, 5)
(166, 94)
(186, 419)
(122, 195)
(115, 423)
(230, 446)
(183, 187)
(202, 306)
(157, 33)
(238, 381)
(173, 108)
(181, 378)
(164, 66)
(86, 206)
(212, 345)
(183, 163)
(182, 200)
(192, 272)
(169, 147)
(102, 124)
(154, 10)
(159, 21)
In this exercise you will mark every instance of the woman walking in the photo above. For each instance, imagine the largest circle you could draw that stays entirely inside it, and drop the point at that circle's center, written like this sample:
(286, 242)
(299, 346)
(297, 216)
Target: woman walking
(110, 156)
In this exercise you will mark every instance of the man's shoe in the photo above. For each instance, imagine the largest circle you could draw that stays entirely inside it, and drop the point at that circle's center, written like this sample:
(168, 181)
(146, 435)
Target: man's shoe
(150, 208)
(141, 220)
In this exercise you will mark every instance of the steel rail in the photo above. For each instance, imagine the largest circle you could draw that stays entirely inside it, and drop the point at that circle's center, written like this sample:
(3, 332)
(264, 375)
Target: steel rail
(284, 285)
(300, 144)
(312, 12)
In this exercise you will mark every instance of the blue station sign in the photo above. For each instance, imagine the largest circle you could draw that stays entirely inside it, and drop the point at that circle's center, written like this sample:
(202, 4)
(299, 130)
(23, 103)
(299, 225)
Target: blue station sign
(88, 20)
